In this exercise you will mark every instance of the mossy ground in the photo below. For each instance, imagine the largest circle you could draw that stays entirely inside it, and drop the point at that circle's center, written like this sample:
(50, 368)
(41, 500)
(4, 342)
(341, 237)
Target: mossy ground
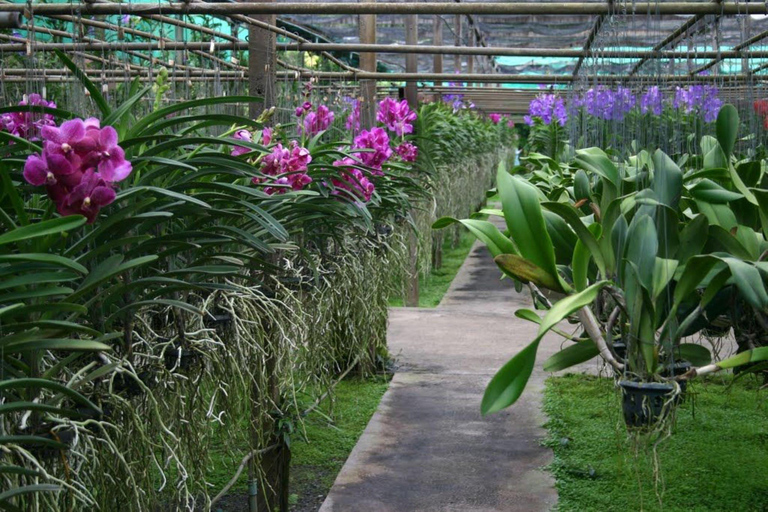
(715, 459)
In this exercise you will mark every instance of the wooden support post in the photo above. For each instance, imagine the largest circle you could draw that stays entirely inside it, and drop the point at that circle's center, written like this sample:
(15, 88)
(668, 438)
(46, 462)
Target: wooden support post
(412, 95)
(367, 32)
(457, 42)
(471, 58)
(268, 485)
(437, 40)
(437, 67)
(262, 64)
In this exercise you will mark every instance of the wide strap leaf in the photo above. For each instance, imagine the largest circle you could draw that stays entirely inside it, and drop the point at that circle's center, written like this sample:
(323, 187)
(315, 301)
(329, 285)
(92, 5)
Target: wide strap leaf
(509, 382)
(523, 270)
(525, 221)
(484, 231)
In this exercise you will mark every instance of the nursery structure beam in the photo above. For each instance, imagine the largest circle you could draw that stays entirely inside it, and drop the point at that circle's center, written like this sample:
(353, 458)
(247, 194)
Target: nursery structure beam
(367, 33)
(392, 8)
(393, 77)
(719, 58)
(673, 37)
(262, 63)
(93, 45)
(412, 96)
(588, 44)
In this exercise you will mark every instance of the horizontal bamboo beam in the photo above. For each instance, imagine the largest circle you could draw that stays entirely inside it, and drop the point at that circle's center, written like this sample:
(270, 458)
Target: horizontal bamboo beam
(487, 8)
(214, 46)
(402, 77)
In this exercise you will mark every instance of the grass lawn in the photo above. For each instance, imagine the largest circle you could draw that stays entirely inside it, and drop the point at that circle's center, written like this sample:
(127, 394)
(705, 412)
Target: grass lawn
(433, 287)
(715, 460)
(332, 431)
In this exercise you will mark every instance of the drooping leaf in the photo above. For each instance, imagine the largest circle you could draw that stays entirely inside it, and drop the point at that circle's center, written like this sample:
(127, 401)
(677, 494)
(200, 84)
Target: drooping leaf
(484, 231)
(523, 270)
(695, 354)
(509, 382)
(525, 221)
(571, 355)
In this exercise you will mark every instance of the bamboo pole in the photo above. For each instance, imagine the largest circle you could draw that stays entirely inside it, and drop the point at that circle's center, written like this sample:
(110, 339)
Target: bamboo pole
(367, 33)
(404, 8)
(419, 77)
(412, 96)
(217, 46)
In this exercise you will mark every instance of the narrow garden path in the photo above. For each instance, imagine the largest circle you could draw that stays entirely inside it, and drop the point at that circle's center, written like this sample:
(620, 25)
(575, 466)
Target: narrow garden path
(427, 448)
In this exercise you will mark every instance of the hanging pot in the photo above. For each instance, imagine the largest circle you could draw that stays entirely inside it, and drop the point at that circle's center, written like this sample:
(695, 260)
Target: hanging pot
(643, 402)
(674, 370)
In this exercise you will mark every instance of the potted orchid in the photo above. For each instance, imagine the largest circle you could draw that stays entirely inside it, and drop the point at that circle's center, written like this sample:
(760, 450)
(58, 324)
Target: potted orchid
(643, 264)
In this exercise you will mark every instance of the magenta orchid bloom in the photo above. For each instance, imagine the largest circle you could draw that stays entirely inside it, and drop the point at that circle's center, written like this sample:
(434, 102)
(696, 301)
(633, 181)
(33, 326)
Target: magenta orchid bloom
(318, 121)
(241, 135)
(87, 198)
(407, 151)
(79, 164)
(288, 165)
(378, 140)
(266, 136)
(28, 125)
(397, 117)
(352, 179)
(495, 118)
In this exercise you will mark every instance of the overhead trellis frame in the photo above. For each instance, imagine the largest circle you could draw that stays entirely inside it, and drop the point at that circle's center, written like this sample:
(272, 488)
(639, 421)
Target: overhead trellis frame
(493, 8)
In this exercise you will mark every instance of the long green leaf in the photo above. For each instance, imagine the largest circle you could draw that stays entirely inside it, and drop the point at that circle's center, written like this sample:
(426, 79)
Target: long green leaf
(509, 382)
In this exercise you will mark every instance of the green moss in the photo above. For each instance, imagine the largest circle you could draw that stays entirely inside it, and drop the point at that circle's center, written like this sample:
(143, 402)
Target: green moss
(716, 458)
(432, 288)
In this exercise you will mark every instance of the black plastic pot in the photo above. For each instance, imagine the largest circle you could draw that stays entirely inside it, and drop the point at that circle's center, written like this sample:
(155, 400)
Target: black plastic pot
(679, 368)
(643, 402)
(180, 358)
(621, 350)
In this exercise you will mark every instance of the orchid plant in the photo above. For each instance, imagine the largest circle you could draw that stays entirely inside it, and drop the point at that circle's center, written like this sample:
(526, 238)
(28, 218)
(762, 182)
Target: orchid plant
(641, 251)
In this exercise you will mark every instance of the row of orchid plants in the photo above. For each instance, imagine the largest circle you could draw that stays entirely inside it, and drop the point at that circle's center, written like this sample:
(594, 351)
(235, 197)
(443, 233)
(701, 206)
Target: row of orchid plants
(645, 251)
(110, 218)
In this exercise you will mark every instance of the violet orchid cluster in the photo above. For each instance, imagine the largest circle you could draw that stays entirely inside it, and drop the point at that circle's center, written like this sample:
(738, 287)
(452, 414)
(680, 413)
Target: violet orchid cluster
(397, 117)
(289, 165)
(610, 105)
(703, 99)
(28, 125)
(652, 101)
(79, 165)
(547, 108)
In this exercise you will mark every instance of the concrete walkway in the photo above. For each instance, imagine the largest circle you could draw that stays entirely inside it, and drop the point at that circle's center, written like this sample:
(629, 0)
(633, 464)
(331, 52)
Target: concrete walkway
(427, 448)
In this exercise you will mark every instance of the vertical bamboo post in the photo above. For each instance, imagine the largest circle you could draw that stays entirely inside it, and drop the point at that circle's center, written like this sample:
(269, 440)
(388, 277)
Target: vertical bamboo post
(262, 64)
(471, 58)
(457, 41)
(412, 96)
(367, 33)
(437, 67)
(437, 40)
(268, 484)
(267, 474)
